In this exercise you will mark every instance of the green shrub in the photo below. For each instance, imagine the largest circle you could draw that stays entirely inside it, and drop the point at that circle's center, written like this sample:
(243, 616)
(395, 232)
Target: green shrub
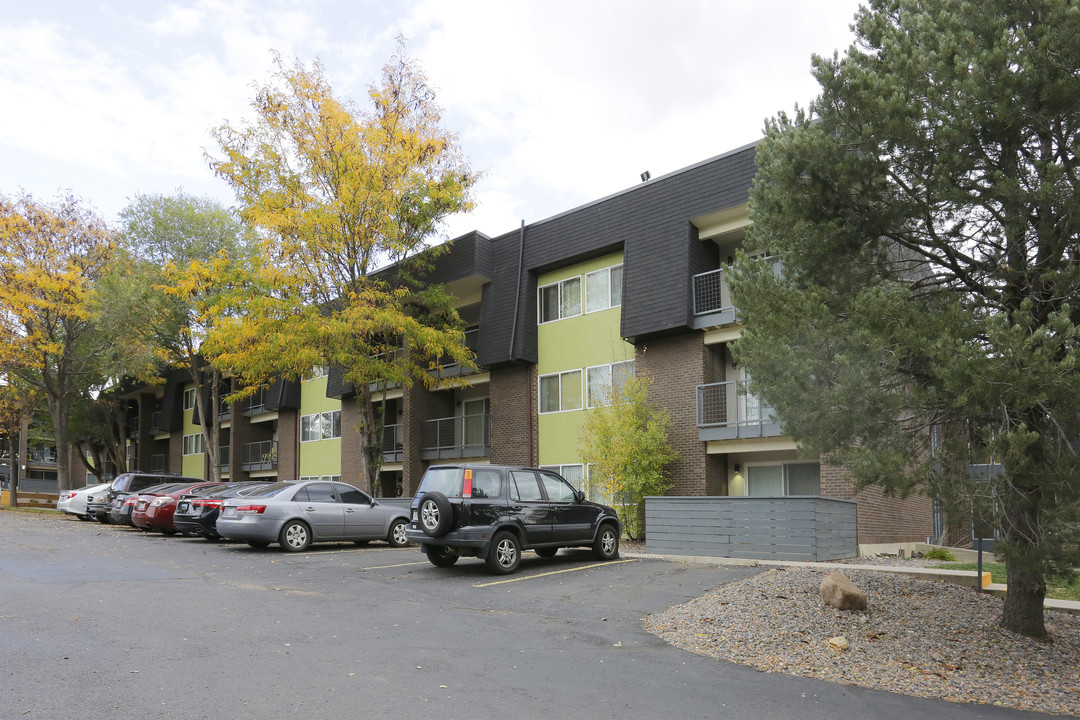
(939, 554)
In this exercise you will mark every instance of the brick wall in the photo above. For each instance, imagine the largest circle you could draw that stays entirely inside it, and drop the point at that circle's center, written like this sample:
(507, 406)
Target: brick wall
(352, 461)
(288, 434)
(514, 433)
(881, 519)
(677, 366)
(416, 404)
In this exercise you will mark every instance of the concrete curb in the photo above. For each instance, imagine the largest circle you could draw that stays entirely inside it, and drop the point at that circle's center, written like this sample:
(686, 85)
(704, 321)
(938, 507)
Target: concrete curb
(967, 578)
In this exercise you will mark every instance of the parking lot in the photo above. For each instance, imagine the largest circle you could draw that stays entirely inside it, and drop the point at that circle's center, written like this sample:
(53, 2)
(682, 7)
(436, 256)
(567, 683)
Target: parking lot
(111, 622)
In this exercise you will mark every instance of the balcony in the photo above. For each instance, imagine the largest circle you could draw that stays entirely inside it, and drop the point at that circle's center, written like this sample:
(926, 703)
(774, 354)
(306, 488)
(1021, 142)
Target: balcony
(41, 456)
(455, 369)
(155, 423)
(388, 356)
(158, 464)
(259, 456)
(728, 411)
(391, 443)
(456, 437)
(133, 428)
(255, 405)
(712, 296)
(223, 458)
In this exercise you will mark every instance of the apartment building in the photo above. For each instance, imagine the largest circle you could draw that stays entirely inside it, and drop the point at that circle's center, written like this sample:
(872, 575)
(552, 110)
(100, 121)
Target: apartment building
(556, 309)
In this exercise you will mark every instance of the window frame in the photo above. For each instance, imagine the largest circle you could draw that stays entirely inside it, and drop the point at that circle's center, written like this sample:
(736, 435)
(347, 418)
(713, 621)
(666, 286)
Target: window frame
(785, 478)
(559, 295)
(189, 399)
(589, 403)
(192, 444)
(327, 418)
(609, 301)
(562, 408)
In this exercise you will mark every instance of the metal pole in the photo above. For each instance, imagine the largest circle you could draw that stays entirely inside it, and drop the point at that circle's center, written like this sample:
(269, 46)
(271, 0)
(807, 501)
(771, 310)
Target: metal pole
(978, 540)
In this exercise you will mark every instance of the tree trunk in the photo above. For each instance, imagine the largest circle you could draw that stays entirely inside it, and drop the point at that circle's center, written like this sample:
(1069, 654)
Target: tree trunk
(1023, 609)
(58, 410)
(370, 441)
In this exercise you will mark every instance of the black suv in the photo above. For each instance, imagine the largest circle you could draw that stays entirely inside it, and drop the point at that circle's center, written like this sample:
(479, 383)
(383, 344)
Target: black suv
(494, 512)
(126, 484)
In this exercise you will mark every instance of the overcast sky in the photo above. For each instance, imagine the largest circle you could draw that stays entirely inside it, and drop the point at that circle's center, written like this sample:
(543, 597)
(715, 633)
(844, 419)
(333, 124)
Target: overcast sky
(558, 102)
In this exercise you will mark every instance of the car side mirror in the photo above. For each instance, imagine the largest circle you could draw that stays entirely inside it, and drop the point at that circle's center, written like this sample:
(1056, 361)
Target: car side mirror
(579, 496)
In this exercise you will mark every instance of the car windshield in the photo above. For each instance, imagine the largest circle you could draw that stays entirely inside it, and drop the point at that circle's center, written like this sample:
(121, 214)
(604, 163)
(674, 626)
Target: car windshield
(446, 480)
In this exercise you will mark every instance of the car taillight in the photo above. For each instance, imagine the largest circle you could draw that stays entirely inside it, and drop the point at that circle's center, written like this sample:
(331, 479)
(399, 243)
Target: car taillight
(131, 501)
(251, 509)
(164, 500)
(466, 487)
(207, 503)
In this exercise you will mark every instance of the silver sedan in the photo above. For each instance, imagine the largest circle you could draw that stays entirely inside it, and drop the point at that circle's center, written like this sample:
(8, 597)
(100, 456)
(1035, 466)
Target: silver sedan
(294, 515)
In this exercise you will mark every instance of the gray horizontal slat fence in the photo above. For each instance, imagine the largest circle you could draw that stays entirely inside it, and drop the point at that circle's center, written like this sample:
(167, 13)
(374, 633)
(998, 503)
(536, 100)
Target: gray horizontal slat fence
(756, 528)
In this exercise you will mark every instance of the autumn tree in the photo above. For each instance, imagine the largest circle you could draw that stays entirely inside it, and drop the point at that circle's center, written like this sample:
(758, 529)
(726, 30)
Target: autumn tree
(51, 257)
(624, 442)
(183, 254)
(339, 191)
(927, 211)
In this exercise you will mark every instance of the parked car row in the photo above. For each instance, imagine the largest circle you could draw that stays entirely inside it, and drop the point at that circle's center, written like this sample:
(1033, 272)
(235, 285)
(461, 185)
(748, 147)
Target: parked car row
(491, 512)
(294, 515)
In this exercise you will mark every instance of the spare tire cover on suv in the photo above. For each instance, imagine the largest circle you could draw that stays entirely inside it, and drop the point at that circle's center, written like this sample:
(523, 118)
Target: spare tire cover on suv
(434, 514)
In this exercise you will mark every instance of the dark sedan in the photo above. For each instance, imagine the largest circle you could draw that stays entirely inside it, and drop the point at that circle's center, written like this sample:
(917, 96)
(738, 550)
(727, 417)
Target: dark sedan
(198, 514)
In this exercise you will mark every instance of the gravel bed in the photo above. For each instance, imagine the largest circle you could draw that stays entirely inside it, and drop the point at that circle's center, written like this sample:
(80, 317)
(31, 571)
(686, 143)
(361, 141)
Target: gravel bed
(918, 637)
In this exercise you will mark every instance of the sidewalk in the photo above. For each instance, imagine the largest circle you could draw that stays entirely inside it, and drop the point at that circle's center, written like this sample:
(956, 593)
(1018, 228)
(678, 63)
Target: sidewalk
(967, 578)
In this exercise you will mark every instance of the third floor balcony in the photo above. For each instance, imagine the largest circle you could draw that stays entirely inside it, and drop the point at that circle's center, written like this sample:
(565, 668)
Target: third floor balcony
(712, 296)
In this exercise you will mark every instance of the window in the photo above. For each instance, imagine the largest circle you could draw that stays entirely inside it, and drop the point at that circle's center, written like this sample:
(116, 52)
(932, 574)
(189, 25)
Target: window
(320, 426)
(603, 289)
(324, 478)
(572, 473)
(560, 391)
(352, 496)
(560, 300)
(523, 487)
(557, 490)
(595, 489)
(486, 483)
(604, 380)
(193, 444)
(317, 372)
(789, 479)
(189, 399)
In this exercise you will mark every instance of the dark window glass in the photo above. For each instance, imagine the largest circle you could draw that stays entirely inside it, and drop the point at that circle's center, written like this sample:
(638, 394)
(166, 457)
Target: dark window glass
(524, 487)
(349, 494)
(486, 484)
(444, 480)
(557, 489)
(321, 492)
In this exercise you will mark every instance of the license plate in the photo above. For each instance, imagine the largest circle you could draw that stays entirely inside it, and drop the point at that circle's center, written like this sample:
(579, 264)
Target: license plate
(229, 511)
(182, 508)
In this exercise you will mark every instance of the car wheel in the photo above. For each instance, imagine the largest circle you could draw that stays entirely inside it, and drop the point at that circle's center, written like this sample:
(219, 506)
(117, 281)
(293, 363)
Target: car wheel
(295, 536)
(396, 537)
(440, 555)
(257, 543)
(504, 555)
(103, 519)
(606, 546)
(436, 515)
(546, 552)
(84, 518)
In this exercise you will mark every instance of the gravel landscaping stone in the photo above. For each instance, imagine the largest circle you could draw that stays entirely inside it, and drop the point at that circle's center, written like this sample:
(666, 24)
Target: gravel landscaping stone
(917, 637)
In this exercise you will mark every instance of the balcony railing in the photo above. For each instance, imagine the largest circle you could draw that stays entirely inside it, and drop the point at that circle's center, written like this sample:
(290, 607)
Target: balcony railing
(223, 457)
(259, 456)
(155, 422)
(255, 405)
(712, 296)
(224, 412)
(158, 464)
(391, 443)
(728, 410)
(133, 428)
(456, 437)
(452, 369)
(41, 456)
(388, 356)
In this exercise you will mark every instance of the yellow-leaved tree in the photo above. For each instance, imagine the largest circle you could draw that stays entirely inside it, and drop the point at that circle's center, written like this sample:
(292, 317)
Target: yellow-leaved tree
(51, 258)
(338, 192)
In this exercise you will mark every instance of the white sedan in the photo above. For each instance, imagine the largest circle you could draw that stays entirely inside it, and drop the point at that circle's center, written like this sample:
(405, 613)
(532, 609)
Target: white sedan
(73, 502)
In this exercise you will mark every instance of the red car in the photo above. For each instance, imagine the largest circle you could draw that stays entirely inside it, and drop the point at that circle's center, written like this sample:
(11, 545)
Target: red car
(154, 510)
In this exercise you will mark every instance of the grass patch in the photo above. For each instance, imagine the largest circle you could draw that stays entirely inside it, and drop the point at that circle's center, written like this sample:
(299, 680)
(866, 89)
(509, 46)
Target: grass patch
(24, 509)
(1056, 590)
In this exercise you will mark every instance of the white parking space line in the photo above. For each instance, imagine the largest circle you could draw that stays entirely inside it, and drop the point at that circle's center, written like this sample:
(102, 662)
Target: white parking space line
(386, 567)
(554, 572)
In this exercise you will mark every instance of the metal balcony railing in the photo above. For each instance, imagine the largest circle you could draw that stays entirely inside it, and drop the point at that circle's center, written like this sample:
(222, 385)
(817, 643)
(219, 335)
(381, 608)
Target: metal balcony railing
(255, 405)
(711, 292)
(259, 456)
(391, 443)
(458, 436)
(731, 408)
(133, 428)
(223, 457)
(158, 464)
(155, 422)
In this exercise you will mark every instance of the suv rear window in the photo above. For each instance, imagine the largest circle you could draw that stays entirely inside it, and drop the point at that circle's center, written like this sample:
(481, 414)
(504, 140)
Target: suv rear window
(444, 480)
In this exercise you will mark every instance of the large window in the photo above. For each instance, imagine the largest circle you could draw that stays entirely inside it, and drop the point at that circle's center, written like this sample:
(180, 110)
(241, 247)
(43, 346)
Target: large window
(320, 426)
(603, 289)
(193, 444)
(789, 479)
(189, 399)
(560, 391)
(602, 381)
(560, 300)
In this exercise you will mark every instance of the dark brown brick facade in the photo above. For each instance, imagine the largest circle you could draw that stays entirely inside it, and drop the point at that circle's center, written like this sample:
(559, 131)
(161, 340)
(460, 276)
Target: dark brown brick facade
(881, 519)
(514, 434)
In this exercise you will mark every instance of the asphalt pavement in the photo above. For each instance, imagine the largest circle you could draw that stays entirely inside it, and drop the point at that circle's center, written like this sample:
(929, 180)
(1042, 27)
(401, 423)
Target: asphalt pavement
(106, 622)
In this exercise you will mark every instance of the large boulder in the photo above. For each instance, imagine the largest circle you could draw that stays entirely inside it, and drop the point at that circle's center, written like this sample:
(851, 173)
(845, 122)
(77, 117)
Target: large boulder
(841, 593)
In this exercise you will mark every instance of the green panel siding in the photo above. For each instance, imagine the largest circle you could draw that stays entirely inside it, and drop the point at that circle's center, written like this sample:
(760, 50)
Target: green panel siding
(313, 397)
(320, 457)
(575, 343)
(193, 466)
